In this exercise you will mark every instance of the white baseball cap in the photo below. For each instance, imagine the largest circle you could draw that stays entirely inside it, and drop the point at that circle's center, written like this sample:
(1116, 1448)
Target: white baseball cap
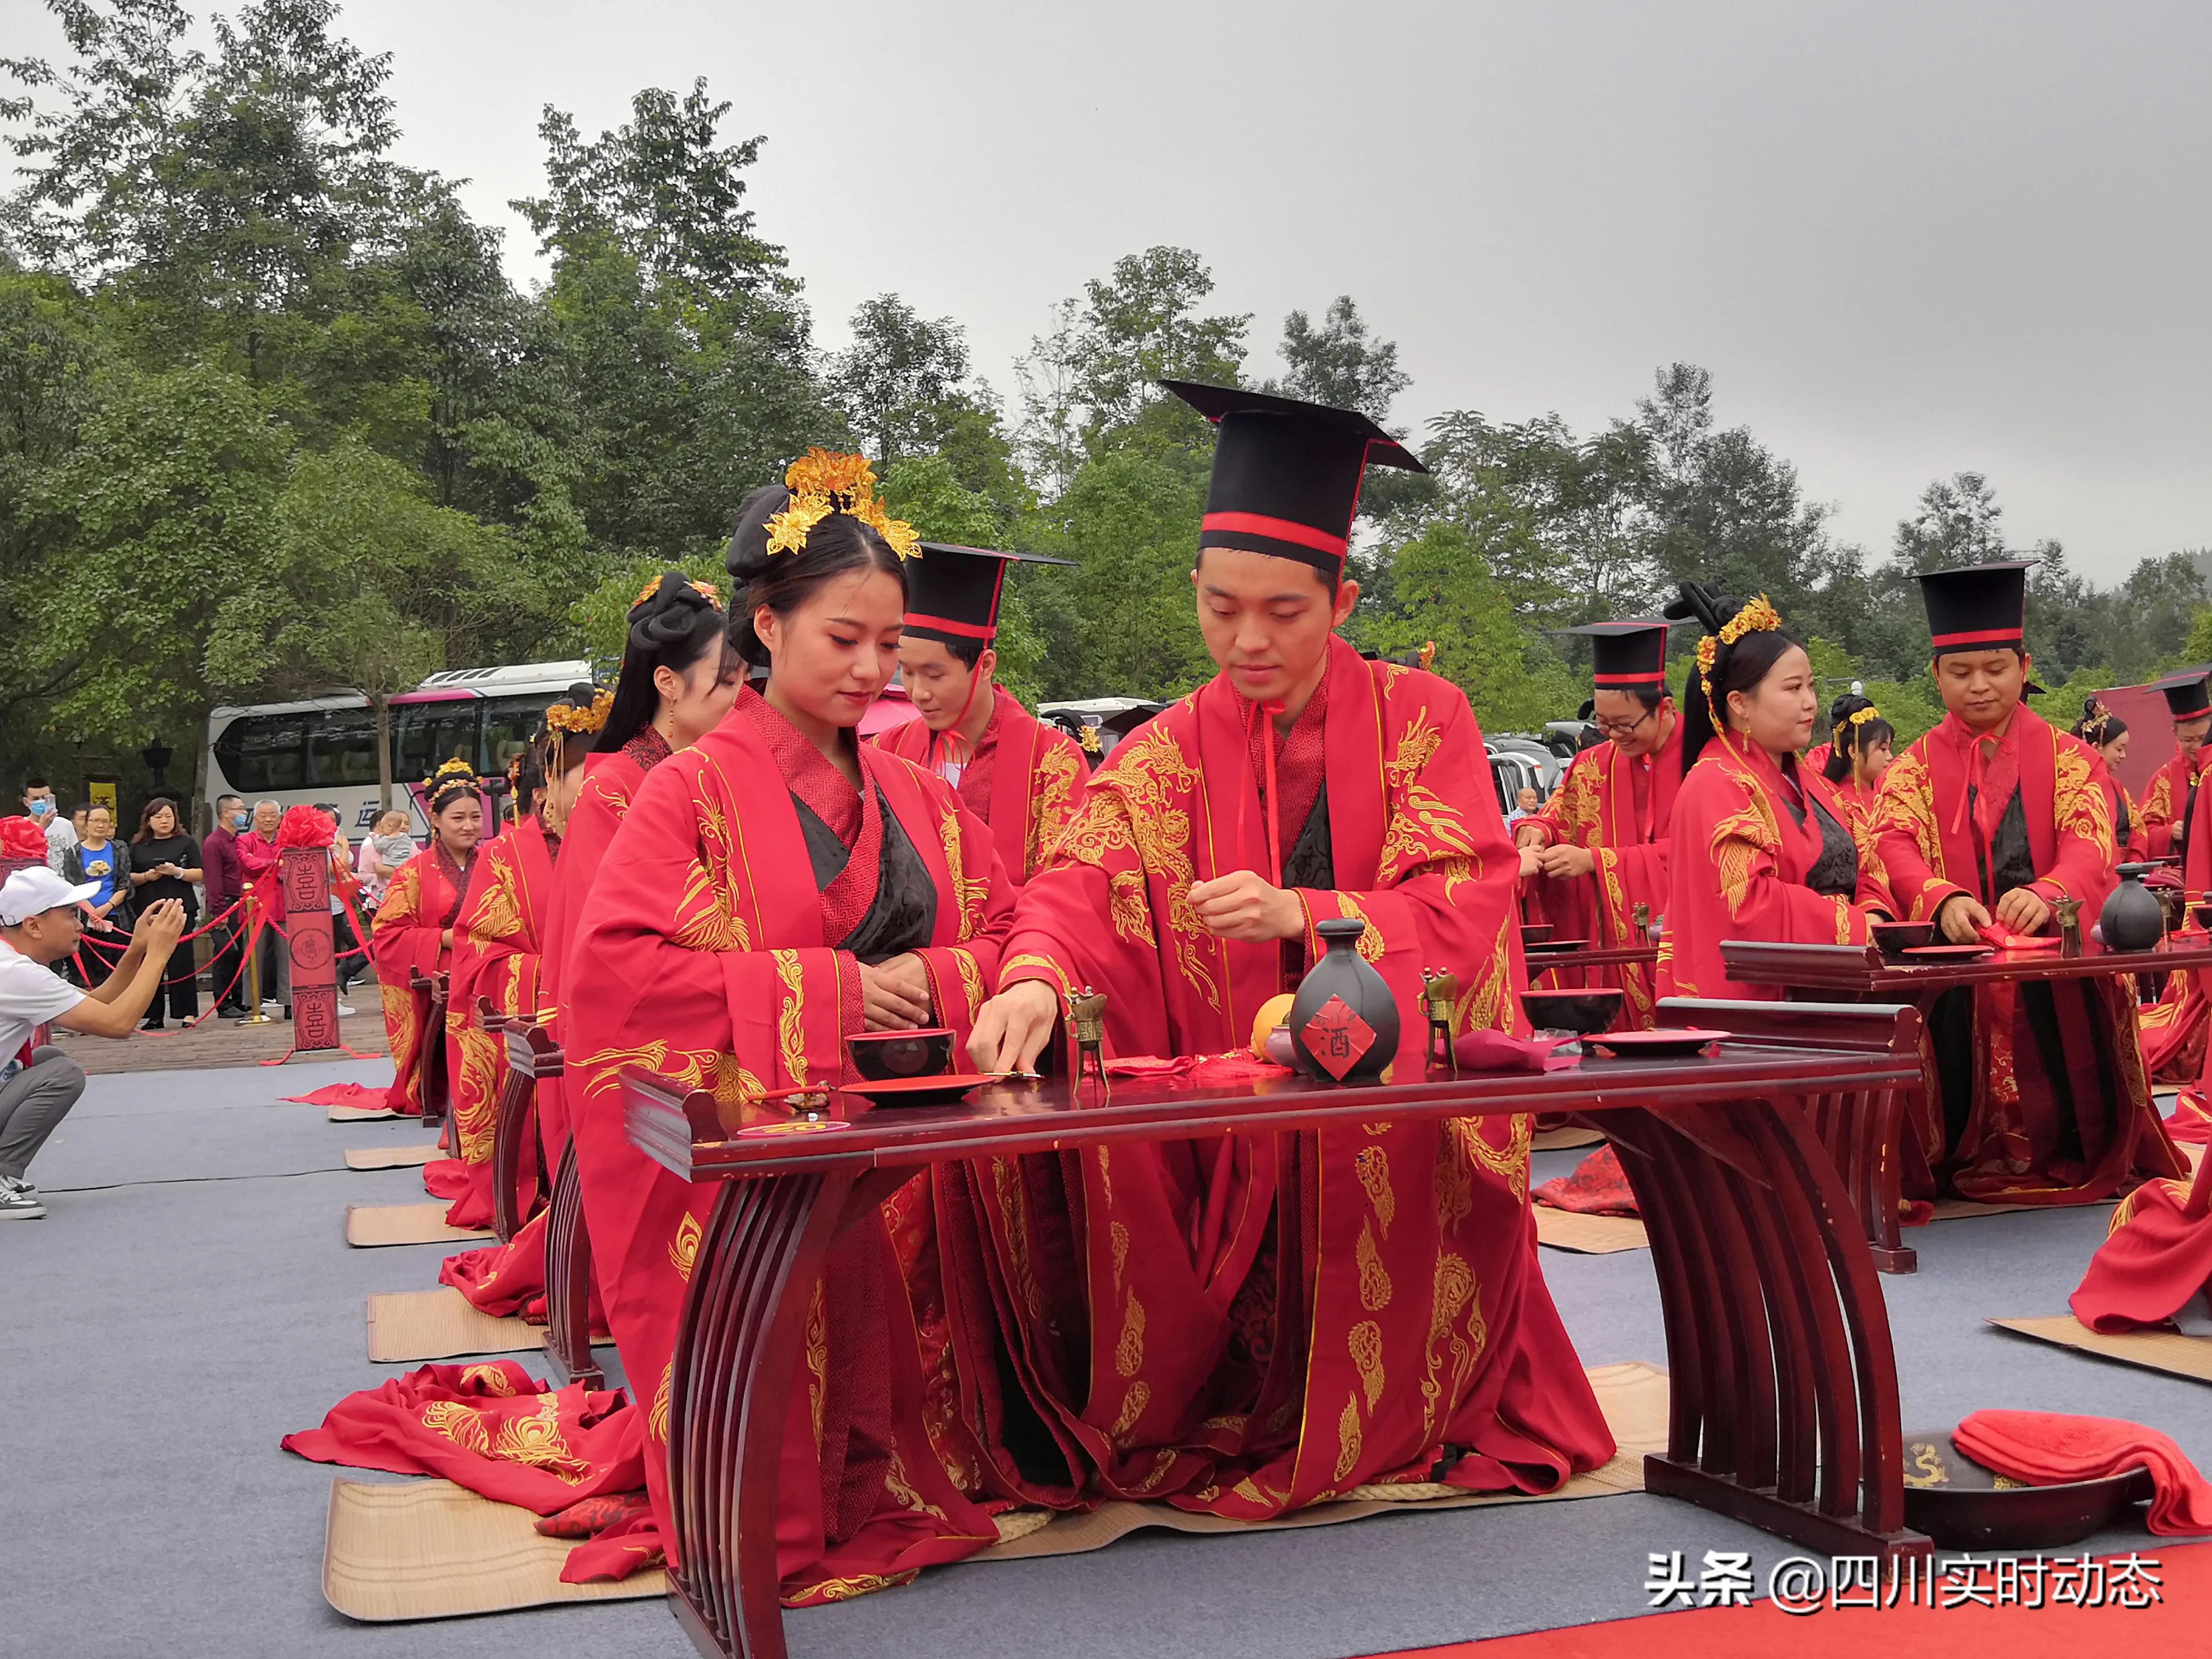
(36, 891)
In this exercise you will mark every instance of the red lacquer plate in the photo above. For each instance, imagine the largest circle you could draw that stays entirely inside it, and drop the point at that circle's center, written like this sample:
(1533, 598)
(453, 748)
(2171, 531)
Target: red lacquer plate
(920, 1090)
(1652, 1045)
(1948, 952)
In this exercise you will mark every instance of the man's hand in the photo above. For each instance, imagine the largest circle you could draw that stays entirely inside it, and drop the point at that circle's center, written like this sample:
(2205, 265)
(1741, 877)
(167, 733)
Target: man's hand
(1532, 862)
(1568, 860)
(1012, 1028)
(894, 995)
(2023, 912)
(1529, 833)
(1962, 919)
(1243, 905)
(160, 927)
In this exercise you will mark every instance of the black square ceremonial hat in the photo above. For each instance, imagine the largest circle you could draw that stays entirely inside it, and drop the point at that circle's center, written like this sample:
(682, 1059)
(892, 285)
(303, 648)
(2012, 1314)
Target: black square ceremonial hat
(1977, 607)
(1627, 656)
(2188, 697)
(1287, 474)
(952, 592)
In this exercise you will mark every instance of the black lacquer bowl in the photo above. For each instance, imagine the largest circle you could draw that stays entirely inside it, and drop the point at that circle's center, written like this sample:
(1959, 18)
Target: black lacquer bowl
(1583, 1013)
(891, 1057)
(1959, 1503)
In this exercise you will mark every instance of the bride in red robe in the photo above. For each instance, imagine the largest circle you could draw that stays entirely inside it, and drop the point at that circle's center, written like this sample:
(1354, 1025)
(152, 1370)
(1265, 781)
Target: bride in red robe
(414, 930)
(1857, 757)
(1763, 849)
(498, 952)
(680, 675)
(737, 934)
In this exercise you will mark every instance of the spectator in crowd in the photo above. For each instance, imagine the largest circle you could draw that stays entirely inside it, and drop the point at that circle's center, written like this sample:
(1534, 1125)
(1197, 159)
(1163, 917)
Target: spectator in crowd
(100, 862)
(1525, 806)
(256, 857)
(165, 864)
(38, 802)
(38, 1086)
(343, 882)
(226, 884)
(381, 855)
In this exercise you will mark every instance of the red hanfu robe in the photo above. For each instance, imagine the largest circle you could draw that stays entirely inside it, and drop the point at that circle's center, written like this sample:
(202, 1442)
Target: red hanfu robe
(510, 1278)
(1741, 862)
(1025, 779)
(2174, 1028)
(1619, 808)
(2170, 799)
(2046, 1100)
(1248, 1326)
(423, 900)
(497, 949)
(714, 958)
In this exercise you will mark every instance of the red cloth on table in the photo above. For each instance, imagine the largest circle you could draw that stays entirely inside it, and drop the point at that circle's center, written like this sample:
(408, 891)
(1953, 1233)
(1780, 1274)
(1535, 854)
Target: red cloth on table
(1199, 1068)
(2157, 1256)
(2048, 1448)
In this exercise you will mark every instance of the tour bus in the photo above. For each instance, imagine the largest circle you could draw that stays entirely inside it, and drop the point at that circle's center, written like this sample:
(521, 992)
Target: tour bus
(322, 751)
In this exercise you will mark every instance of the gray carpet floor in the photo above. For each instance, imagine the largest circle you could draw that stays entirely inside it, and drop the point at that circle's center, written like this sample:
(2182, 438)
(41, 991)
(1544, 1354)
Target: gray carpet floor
(191, 1298)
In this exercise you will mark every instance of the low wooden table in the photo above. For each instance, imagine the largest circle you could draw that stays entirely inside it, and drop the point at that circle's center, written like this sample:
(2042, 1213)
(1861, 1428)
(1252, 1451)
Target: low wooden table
(1784, 1406)
(1843, 973)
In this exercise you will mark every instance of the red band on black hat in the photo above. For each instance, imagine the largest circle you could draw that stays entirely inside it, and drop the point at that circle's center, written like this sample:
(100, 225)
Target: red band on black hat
(1654, 677)
(916, 620)
(1277, 529)
(1998, 636)
(2197, 712)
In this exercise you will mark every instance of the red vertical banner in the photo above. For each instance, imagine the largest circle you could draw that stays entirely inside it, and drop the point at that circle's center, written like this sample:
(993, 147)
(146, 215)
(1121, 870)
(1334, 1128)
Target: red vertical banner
(305, 873)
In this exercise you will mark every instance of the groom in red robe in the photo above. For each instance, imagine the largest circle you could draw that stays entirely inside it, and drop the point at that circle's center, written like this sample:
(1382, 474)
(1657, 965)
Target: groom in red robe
(1245, 1326)
(1021, 777)
(2169, 805)
(1983, 825)
(1599, 848)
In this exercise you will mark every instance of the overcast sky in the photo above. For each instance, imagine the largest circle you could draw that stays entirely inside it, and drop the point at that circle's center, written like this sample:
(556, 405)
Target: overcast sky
(1907, 239)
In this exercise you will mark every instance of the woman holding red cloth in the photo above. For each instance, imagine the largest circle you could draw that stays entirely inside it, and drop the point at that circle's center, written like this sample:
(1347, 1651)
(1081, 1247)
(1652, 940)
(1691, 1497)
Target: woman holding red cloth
(414, 931)
(680, 675)
(736, 934)
(1763, 849)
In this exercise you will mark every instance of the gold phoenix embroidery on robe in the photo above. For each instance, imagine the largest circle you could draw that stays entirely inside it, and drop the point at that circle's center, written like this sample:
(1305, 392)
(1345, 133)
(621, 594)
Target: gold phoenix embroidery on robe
(1059, 770)
(537, 1441)
(790, 1029)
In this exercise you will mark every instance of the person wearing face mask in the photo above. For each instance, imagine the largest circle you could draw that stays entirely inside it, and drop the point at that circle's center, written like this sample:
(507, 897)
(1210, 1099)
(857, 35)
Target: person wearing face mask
(1302, 784)
(1763, 849)
(225, 885)
(44, 811)
(1598, 847)
(1984, 825)
(414, 931)
(774, 890)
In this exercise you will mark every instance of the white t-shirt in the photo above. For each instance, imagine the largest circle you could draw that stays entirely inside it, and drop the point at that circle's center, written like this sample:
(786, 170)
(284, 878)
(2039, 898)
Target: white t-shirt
(30, 995)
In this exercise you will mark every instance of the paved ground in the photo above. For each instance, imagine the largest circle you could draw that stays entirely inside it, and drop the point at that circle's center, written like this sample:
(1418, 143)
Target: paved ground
(191, 1299)
(216, 1042)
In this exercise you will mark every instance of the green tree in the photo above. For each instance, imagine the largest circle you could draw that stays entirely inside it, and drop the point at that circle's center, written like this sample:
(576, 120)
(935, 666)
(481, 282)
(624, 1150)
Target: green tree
(1339, 364)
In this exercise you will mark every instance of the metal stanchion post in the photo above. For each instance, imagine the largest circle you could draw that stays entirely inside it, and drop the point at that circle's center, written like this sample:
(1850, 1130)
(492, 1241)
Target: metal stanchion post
(253, 1015)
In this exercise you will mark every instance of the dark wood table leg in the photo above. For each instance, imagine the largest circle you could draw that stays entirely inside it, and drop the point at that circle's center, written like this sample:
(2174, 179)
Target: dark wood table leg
(568, 1281)
(1785, 1408)
(736, 1353)
(510, 1129)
